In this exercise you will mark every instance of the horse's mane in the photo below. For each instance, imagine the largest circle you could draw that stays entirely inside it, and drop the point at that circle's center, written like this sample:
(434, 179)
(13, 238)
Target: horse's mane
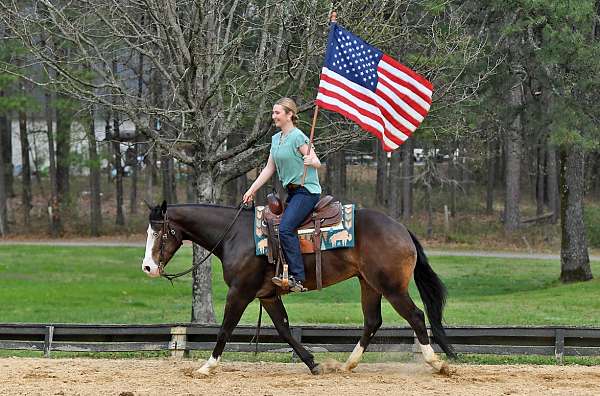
(156, 212)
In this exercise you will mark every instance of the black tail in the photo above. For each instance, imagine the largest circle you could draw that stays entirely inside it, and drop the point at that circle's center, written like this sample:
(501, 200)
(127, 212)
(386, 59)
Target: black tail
(433, 293)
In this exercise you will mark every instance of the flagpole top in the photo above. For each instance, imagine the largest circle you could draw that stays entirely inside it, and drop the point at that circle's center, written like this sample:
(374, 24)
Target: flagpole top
(333, 17)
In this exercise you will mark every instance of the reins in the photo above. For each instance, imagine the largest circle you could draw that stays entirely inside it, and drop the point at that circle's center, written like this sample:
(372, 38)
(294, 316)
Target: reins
(170, 277)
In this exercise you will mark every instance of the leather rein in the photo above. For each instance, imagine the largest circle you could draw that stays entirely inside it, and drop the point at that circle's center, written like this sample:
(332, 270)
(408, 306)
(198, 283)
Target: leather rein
(169, 232)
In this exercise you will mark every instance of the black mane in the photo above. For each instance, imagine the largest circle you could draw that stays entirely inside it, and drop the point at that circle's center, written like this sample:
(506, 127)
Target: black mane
(157, 215)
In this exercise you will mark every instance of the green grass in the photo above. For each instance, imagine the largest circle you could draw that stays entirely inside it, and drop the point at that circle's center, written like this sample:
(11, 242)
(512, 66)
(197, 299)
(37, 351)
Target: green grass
(105, 285)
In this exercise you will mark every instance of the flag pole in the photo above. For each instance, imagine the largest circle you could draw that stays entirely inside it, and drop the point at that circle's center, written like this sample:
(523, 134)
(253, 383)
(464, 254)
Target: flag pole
(332, 19)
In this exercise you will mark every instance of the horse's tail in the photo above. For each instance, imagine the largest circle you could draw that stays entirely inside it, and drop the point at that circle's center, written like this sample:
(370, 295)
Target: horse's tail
(433, 293)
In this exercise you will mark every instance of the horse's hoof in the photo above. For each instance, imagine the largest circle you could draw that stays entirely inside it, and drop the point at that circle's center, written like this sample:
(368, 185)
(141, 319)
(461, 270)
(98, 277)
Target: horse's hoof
(444, 370)
(203, 372)
(317, 370)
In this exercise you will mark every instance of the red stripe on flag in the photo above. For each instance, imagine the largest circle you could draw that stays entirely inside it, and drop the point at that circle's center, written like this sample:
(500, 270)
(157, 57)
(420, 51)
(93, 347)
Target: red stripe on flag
(351, 91)
(398, 80)
(352, 117)
(408, 71)
(396, 106)
(348, 101)
(408, 101)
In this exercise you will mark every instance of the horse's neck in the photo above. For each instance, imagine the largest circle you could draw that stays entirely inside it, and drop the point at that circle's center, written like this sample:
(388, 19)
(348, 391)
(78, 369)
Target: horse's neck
(202, 224)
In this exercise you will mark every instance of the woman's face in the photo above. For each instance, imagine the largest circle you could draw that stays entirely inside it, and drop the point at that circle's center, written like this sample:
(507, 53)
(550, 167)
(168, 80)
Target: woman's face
(280, 116)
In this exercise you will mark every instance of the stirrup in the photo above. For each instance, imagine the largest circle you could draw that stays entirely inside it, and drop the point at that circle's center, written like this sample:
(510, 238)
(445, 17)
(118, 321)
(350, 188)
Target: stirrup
(282, 283)
(296, 286)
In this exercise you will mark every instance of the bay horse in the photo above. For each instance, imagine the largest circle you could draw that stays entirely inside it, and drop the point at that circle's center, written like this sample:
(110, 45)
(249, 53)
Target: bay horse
(384, 258)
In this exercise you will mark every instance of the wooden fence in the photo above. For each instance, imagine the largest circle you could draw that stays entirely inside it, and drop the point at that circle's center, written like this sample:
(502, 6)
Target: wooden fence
(177, 338)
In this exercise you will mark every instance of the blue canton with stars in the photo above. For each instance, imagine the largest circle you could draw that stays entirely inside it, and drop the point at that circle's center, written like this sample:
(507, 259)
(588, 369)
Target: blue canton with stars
(352, 57)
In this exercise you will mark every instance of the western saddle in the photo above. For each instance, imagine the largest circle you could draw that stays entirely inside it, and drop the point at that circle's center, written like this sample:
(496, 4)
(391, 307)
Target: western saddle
(326, 212)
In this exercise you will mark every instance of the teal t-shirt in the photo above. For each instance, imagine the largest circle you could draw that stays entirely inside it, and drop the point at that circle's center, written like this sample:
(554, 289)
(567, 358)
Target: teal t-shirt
(289, 162)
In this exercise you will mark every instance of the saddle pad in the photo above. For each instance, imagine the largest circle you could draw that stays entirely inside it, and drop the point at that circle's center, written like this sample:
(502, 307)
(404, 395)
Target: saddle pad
(340, 235)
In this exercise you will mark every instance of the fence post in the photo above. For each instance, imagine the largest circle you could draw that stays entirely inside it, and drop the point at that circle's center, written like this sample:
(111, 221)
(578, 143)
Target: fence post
(48, 336)
(178, 341)
(297, 334)
(559, 345)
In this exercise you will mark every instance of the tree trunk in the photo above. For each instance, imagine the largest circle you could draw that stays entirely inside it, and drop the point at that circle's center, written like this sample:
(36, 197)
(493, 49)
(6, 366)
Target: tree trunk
(202, 303)
(25, 170)
(395, 181)
(381, 182)
(149, 166)
(552, 183)
(169, 184)
(134, 179)
(336, 165)
(95, 201)
(514, 143)
(428, 194)
(120, 219)
(54, 218)
(408, 171)
(3, 190)
(491, 177)
(574, 257)
(540, 178)
(453, 176)
(64, 118)
(6, 148)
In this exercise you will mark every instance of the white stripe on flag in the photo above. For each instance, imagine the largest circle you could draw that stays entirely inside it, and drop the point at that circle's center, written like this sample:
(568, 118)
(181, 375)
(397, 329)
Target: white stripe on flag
(419, 100)
(398, 101)
(403, 76)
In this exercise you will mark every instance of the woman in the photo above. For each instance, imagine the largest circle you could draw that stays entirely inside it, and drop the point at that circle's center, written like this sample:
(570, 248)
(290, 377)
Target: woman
(288, 156)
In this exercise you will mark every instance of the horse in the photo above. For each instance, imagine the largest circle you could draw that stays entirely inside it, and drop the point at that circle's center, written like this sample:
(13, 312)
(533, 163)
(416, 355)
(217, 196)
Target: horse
(385, 257)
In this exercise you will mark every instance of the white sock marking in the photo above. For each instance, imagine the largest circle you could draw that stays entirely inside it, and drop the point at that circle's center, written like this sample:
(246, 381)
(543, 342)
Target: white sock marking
(354, 357)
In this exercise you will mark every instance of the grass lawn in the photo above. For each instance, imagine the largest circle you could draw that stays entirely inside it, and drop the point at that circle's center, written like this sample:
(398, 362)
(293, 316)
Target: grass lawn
(106, 285)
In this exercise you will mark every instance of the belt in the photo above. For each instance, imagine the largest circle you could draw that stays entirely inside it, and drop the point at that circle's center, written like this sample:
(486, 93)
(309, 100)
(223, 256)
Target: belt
(293, 187)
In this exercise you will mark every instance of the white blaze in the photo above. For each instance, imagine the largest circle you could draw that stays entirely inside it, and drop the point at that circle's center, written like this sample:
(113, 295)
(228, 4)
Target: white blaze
(148, 265)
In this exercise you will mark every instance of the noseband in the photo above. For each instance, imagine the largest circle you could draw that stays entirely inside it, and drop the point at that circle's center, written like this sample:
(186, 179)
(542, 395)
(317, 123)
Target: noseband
(167, 232)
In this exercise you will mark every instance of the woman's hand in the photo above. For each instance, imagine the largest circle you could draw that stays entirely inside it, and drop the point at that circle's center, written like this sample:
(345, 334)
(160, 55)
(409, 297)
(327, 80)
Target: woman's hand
(308, 160)
(248, 196)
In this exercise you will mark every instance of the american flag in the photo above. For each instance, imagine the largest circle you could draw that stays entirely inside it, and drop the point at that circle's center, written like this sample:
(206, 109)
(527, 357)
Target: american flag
(374, 90)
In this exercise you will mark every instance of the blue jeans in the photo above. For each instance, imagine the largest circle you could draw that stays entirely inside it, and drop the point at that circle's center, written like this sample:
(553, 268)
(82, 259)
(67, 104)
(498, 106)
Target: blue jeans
(300, 203)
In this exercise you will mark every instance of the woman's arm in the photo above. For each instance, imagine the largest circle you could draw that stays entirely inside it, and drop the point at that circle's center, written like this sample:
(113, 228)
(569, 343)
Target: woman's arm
(309, 159)
(265, 175)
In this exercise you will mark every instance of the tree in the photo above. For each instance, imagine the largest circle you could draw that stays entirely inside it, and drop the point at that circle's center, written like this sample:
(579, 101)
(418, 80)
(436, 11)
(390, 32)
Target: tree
(219, 66)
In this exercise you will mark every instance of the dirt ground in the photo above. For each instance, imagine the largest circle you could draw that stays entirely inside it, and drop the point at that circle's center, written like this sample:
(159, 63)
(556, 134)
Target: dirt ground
(128, 377)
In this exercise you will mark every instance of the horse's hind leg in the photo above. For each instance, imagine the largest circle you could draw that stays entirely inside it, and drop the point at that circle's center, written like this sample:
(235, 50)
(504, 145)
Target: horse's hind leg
(405, 306)
(276, 310)
(371, 306)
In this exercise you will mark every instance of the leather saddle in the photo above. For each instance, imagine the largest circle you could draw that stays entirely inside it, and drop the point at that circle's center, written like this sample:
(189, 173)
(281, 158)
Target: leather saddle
(327, 212)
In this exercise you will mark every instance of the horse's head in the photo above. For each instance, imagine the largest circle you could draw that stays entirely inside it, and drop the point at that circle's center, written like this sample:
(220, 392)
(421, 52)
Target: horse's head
(164, 238)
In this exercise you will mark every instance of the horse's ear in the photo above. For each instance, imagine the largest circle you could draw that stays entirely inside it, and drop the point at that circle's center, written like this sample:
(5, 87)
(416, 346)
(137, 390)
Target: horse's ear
(147, 204)
(163, 207)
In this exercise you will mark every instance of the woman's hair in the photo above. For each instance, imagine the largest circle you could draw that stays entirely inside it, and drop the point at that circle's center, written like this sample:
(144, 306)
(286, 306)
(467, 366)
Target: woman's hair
(289, 106)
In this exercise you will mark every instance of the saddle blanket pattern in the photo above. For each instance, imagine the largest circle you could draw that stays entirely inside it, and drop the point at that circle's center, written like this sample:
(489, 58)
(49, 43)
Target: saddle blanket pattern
(340, 235)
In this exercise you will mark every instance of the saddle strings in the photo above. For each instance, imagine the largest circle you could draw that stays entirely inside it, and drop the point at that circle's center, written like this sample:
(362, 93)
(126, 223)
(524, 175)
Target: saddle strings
(170, 277)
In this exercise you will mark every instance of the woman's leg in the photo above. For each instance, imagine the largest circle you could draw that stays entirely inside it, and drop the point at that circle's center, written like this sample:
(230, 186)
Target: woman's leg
(300, 205)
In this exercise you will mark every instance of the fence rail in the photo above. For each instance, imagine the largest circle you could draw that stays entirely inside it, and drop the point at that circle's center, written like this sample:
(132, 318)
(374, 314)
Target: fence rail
(178, 338)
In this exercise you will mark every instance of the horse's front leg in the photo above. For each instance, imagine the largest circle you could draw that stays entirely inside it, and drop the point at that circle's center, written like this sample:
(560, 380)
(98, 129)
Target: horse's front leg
(276, 310)
(234, 308)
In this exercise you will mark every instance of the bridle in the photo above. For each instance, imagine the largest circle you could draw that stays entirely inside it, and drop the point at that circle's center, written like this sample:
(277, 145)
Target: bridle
(167, 230)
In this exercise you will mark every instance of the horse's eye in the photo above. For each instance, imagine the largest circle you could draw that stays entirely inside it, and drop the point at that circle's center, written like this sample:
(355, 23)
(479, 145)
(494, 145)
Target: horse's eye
(172, 231)
(155, 234)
